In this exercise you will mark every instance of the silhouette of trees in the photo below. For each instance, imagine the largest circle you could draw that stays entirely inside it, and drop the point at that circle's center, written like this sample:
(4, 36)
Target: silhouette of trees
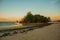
(37, 18)
(30, 18)
(49, 20)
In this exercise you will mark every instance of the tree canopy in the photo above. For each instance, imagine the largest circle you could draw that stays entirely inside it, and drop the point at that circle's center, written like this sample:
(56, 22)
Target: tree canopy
(30, 18)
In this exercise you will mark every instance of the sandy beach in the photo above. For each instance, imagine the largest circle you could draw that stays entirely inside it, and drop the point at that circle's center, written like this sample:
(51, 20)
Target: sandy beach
(50, 32)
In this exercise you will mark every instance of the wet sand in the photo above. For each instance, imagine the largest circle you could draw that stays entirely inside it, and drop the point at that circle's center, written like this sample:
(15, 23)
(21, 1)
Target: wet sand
(50, 32)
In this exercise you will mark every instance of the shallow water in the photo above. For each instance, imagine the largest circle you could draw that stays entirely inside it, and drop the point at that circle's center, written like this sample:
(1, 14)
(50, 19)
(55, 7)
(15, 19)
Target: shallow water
(7, 23)
(4, 25)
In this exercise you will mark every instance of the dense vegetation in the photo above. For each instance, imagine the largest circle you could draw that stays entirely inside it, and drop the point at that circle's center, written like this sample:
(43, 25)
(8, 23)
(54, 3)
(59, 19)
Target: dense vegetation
(30, 18)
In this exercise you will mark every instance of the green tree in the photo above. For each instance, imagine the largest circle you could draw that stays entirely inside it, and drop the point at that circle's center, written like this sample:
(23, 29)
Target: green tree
(36, 18)
(28, 18)
(48, 19)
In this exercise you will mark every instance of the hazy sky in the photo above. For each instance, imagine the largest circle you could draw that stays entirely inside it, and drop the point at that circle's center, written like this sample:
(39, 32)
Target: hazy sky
(19, 8)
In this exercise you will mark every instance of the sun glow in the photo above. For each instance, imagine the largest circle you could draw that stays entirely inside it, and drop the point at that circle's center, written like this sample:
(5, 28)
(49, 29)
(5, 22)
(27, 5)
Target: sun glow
(20, 18)
(9, 19)
(55, 17)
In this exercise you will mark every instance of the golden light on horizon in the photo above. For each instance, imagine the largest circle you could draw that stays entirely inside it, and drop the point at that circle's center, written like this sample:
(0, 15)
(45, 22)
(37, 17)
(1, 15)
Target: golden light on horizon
(20, 18)
(9, 19)
(55, 17)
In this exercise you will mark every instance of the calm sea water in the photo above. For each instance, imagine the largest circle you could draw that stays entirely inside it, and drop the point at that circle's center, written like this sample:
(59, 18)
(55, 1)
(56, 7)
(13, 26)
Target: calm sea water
(7, 23)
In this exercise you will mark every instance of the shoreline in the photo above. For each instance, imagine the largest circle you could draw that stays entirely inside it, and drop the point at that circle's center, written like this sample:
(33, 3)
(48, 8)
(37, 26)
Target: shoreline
(22, 29)
(25, 26)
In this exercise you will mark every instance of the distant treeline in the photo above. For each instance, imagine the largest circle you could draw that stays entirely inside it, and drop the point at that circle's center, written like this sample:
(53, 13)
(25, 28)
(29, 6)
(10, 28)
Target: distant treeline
(30, 18)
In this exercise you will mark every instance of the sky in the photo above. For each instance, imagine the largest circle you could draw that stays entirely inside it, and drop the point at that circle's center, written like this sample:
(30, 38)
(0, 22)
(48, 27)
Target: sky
(19, 8)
